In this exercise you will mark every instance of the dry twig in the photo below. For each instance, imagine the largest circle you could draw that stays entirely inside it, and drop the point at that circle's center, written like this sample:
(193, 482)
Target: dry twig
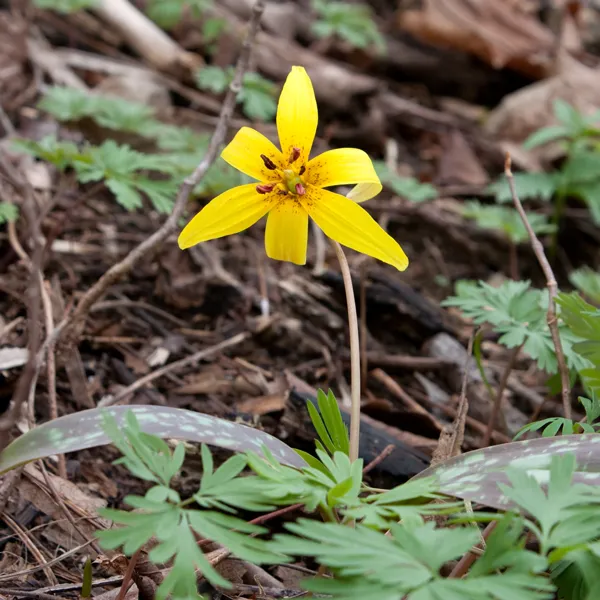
(552, 286)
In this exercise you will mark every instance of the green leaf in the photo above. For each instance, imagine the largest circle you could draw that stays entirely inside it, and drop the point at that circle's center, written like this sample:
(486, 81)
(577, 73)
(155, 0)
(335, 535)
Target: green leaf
(569, 116)
(540, 186)
(213, 79)
(127, 196)
(507, 221)
(518, 314)
(65, 6)
(69, 104)
(546, 135)
(60, 154)
(406, 187)
(352, 23)
(8, 212)
(329, 424)
(587, 281)
(477, 475)
(84, 430)
(583, 320)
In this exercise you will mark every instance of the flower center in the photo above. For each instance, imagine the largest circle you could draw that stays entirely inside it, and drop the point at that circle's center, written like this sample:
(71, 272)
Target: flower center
(291, 180)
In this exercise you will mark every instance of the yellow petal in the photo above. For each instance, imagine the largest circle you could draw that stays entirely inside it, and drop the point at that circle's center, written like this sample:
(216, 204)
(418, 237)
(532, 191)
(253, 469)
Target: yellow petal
(286, 236)
(231, 212)
(244, 150)
(349, 224)
(344, 166)
(297, 115)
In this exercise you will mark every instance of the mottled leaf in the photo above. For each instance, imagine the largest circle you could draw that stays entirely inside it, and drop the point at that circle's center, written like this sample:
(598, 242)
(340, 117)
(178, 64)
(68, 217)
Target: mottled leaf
(475, 475)
(85, 430)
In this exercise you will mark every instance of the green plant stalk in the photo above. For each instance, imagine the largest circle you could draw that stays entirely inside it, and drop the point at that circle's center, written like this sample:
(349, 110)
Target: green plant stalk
(354, 353)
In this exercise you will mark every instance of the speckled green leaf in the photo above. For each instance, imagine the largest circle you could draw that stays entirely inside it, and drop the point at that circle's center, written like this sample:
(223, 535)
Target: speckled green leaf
(85, 430)
(475, 475)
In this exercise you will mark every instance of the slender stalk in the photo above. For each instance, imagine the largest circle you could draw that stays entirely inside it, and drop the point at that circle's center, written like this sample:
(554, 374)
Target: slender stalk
(538, 250)
(354, 353)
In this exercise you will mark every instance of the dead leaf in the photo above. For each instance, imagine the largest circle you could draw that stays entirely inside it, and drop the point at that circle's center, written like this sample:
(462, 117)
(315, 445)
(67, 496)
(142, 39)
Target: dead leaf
(33, 488)
(12, 357)
(532, 107)
(458, 163)
(262, 405)
(494, 31)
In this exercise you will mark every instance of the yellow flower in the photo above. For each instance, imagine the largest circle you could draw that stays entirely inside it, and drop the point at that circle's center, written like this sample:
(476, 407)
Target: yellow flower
(291, 188)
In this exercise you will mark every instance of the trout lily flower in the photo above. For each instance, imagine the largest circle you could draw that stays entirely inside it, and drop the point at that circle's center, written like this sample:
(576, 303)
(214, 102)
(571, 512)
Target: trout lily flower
(291, 188)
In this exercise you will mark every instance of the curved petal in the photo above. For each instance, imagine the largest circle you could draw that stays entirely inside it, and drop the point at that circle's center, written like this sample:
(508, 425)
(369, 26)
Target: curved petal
(231, 212)
(349, 224)
(343, 166)
(244, 153)
(286, 236)
(297, 115)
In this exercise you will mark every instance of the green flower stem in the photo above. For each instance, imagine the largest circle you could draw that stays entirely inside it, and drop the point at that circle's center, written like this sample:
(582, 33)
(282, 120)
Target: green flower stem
(354, 353)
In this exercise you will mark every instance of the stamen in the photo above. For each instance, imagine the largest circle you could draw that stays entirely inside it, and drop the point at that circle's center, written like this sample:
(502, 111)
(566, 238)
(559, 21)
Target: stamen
(300, 189)
(302, 169)
(268, 162)
(295, 155)
(265, 188)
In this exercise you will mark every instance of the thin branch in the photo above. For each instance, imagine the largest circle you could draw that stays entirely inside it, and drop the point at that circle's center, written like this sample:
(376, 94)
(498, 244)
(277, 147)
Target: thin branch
(552, 286)
(178, 364)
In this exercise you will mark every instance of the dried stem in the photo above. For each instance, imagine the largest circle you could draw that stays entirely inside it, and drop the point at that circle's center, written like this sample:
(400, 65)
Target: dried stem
(354, 353)
(552, 286)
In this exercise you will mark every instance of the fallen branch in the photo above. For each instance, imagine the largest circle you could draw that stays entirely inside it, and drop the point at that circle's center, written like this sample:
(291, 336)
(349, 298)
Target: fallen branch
(538, 250)
(151, 42)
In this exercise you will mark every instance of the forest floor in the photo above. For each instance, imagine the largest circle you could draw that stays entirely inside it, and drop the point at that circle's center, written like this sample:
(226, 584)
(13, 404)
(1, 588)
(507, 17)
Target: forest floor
(438, 106)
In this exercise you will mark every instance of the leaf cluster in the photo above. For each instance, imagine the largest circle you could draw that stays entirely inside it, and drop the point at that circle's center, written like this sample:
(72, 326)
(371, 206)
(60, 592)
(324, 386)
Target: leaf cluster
(128, 173)
(583, 321)
(125, 172)
(578, 176)
(405, 187)
(362, 560)
(572, 126)
(352, 23)
(69, 104)
(168, 13)
(257, 95)
(506, 220)
(518, 313)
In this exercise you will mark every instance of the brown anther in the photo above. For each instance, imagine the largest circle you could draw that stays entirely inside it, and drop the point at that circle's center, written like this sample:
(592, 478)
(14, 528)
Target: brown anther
(265, 188)
(302, 169)
(295, 155)
(268, 162)
(300, 189)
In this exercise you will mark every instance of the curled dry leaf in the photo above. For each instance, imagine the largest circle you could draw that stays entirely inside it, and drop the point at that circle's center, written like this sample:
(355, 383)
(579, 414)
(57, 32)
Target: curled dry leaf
(494, 31)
